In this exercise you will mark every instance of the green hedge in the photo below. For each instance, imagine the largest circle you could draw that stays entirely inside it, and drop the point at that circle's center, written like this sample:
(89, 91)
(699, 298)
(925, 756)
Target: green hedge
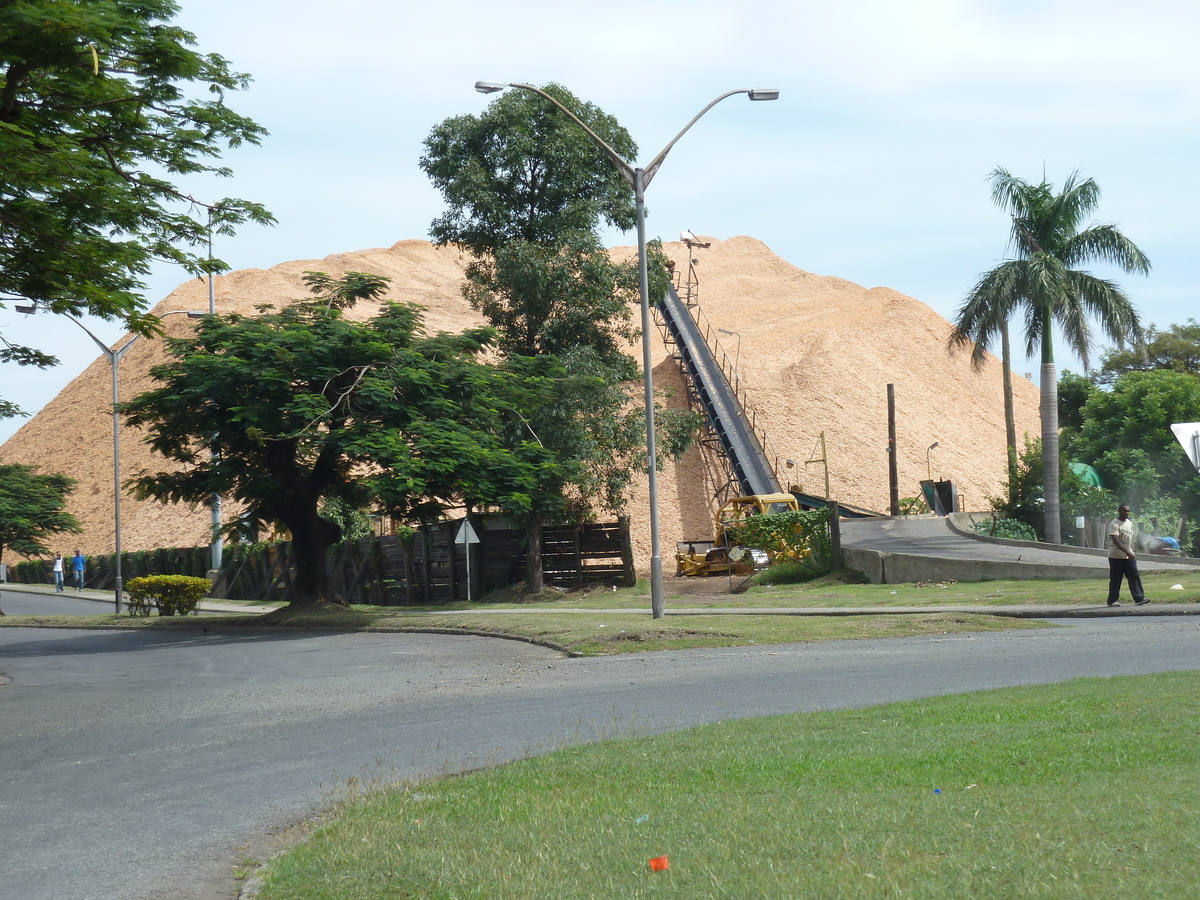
(169, 594)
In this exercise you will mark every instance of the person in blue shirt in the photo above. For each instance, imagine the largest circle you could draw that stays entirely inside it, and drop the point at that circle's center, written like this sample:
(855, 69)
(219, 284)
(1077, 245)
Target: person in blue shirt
(77, 563)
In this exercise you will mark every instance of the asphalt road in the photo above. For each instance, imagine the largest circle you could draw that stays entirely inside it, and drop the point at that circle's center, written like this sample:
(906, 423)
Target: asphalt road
(933, 537)
(140, 764)
(23, 602)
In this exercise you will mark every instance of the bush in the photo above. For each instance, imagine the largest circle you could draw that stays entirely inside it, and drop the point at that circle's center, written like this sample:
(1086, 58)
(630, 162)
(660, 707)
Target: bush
(785, 571)
(797, 535)
(1013, 529)
(169, 594)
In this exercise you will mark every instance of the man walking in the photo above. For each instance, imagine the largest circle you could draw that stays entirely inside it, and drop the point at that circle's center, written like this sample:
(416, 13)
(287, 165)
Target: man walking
(1121, 561)
(77, 563)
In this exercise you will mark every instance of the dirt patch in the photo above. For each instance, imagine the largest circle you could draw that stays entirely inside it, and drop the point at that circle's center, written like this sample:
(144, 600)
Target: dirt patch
(638, 637)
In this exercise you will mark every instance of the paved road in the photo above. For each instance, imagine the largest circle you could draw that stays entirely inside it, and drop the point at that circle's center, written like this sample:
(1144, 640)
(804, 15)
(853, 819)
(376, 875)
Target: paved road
(137, 764)
(24, 601)
(927, 535)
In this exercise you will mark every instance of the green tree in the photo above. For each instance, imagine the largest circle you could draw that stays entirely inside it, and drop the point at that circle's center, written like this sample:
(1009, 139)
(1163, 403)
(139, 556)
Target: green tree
(1024, 499)
(522, 172)
(1044, 283)
(526, 191)
(1074, 391)
(94, 122)
(1175, 350)
(308, 406)
(32, 508)
(1126, 434)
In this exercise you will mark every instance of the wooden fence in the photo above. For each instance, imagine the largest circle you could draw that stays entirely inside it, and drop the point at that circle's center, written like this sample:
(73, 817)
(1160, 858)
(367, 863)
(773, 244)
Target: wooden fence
(432, 567)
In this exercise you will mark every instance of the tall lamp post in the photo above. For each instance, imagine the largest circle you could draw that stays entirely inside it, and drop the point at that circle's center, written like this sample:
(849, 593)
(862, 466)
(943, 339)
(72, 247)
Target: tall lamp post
(216, 546)
(928, 461)
(639, 179)
(114, 359)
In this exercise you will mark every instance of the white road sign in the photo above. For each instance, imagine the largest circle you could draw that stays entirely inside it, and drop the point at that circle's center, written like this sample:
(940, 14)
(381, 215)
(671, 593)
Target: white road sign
(1188, 435)
(466, 534)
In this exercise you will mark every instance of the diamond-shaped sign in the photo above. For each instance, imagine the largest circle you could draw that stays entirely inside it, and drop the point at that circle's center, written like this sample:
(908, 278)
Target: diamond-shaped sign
(1188, 435)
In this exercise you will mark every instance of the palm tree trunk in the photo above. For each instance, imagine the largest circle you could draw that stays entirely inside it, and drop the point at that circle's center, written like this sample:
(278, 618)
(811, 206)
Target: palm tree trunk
(1049, 410)
(1010, 422)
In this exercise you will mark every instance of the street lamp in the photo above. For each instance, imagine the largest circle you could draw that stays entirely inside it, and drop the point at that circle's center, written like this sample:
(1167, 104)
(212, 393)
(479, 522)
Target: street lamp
(216, 547)
(114, 359)
(639, 179)
(928, 464)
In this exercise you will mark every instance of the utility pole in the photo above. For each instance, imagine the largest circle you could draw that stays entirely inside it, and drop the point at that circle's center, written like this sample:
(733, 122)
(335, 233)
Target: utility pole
(893, 478)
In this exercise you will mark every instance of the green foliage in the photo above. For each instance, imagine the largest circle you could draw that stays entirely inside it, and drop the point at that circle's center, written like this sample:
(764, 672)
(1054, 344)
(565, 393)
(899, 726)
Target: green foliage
(95, 118)
(1126, 433)
(169, 594)
(1023, 502)
(353, 522)
(1013, 529)
(802, 536)
(554, 299)
(786, 570)
(306, 404)
(1175, 350)
(1074, 391)
(32, 508)
(522, 172)
(913, 506)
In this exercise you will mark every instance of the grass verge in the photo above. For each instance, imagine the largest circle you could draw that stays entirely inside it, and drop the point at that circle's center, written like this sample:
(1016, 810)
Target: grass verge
(1073, 790)
(579, 634)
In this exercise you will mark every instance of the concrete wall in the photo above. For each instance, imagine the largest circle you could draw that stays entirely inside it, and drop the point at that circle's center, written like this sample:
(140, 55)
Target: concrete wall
(904, 568)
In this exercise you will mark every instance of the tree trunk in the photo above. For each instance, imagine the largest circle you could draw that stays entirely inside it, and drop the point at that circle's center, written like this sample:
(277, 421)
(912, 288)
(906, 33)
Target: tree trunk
(311, 539)
(1052, 507)
(536, 577)
(1010, 422)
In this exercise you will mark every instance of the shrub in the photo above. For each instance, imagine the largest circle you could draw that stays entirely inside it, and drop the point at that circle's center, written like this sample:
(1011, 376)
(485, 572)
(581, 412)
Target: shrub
(1014, 529)
(802, 537)
(785, 571)
(169, 594)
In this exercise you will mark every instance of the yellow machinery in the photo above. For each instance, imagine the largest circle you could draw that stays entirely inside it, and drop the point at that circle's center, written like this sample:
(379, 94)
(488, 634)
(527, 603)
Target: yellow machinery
(718, 557)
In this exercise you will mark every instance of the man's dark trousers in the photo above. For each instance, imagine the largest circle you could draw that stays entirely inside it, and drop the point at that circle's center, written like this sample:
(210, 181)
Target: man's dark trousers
(1124, 567)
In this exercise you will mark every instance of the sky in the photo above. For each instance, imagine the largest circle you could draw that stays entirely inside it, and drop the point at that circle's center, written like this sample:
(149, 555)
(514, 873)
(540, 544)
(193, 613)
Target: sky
(872, 166)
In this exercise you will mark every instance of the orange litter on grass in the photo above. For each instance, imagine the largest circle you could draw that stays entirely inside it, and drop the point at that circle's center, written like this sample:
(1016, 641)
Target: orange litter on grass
(659, 864)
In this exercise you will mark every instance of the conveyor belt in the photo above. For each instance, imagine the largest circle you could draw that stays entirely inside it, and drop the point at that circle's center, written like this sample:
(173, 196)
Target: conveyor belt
(750, 465)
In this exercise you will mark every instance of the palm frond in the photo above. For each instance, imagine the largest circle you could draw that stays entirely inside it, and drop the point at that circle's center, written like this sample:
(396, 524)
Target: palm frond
(1105, 243)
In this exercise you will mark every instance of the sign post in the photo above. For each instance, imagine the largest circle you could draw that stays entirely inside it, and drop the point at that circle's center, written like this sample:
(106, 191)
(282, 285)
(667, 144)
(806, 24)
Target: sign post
(1188, 435)
(467, 536)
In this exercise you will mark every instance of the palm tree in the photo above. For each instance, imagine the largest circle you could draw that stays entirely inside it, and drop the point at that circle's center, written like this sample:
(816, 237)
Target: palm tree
(1043, 283)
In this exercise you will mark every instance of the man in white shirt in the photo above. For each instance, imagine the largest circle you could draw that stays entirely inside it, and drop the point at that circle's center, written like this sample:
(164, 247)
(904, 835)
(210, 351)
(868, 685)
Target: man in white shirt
(1121, 561)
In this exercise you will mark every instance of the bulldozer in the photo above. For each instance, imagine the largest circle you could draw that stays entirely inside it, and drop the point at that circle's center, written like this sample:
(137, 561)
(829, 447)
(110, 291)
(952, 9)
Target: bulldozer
(719, 556)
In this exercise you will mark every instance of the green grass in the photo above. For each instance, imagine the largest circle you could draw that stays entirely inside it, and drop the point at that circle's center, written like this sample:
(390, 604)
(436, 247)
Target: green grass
(834, 592)
(578, 634)
(603, 634)
(1078, 790)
